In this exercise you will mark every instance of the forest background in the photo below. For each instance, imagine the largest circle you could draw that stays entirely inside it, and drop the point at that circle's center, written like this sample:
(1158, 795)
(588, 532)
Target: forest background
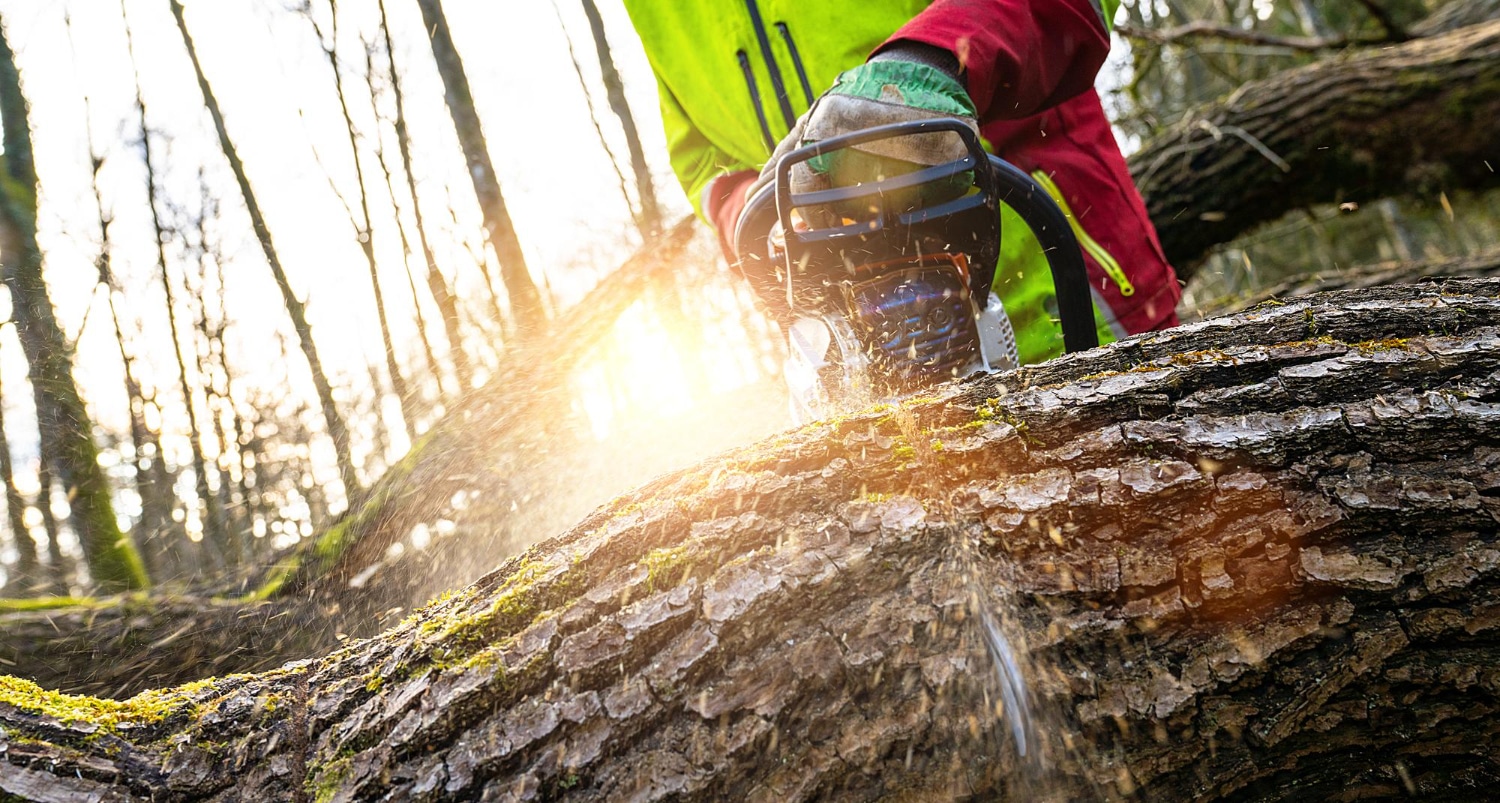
(274, 246)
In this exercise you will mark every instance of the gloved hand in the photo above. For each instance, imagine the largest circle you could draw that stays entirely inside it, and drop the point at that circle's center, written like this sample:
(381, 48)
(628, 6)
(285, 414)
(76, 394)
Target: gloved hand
(905, 82)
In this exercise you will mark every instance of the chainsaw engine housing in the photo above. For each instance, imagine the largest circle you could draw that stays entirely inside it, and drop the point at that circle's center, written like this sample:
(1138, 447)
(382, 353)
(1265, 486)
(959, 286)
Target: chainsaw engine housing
(916, 320)
(903, 264)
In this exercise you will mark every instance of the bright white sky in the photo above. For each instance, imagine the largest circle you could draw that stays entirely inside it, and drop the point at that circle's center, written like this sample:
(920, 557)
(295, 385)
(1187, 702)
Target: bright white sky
(266, 69)
(277, 93)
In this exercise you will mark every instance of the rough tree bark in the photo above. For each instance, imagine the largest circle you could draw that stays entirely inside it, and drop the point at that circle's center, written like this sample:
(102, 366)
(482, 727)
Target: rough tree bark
(1251, 558)
(525, 301)
(1411, 118)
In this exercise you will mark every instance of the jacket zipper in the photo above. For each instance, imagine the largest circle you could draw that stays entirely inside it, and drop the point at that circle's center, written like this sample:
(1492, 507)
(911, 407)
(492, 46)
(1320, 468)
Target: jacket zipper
(760, 113)
(1106, 260)
(791, 48)
(782, 98)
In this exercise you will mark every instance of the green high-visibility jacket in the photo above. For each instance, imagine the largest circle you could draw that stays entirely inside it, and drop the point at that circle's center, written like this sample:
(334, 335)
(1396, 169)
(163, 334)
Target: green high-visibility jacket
(733, 76)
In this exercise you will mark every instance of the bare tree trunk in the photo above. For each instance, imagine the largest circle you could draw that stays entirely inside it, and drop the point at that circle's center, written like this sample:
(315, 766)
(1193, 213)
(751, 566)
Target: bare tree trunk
(57, 564)
(1412, 118)
(171, 549)
(337, 431)
(636, 211)
(400, 224)
(218, 389)
(63, 420)
(214, 537)
(27, 577)
(525, 301)
(151, 483)
(436, 284)
(1185, 566)
(213, 531)
(236, 433)
(650, 209)
(364, 232)
(433, 366)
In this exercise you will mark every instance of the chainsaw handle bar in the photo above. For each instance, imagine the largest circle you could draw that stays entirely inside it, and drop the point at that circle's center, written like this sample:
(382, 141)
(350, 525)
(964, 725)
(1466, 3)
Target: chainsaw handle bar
(1002, 181)
(1054, 232)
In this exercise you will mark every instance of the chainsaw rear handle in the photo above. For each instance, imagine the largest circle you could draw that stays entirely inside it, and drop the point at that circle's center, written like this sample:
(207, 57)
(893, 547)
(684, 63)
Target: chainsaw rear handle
(996, 179)
(1053, 231)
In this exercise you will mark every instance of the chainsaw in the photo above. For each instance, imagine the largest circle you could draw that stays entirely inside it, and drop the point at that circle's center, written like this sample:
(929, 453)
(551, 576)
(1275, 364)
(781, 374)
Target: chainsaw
(883, 285)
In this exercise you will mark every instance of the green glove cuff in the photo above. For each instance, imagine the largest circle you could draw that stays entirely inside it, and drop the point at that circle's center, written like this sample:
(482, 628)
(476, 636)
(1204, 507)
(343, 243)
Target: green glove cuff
(906, 83)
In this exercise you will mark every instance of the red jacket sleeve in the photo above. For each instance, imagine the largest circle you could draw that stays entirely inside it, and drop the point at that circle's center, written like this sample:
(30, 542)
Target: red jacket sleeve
(1019, 57)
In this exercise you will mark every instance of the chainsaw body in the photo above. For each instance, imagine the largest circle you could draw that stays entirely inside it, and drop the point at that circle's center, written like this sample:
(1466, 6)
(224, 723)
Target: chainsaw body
(884, 286)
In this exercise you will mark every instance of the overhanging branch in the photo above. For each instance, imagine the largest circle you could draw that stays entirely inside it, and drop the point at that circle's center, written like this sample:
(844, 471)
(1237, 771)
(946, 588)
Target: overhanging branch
(1408, 119)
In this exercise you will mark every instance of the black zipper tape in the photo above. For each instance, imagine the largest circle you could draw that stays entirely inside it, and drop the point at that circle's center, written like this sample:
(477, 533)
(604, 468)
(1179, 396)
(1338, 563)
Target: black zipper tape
(782, 98)
(791, 48)
(760, 114)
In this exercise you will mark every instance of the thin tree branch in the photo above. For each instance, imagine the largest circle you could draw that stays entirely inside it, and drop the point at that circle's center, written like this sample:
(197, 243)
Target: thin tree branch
(1201, 29)
(588, 99)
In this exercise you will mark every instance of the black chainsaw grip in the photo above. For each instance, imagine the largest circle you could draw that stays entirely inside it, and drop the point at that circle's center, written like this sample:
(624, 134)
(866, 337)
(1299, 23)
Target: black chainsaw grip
(1070, 276)
(890, 229)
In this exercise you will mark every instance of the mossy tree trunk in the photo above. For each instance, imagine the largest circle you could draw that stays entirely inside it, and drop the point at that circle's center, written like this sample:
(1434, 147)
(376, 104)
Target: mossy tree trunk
(1416, 118)
(1251, 558)
(62, 419)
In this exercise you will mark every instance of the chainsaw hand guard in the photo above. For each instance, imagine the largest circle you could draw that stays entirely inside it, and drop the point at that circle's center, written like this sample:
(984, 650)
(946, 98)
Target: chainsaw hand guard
(843, 235)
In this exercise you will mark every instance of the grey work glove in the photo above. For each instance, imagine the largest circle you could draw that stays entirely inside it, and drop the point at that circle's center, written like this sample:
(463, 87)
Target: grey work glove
(906, 82)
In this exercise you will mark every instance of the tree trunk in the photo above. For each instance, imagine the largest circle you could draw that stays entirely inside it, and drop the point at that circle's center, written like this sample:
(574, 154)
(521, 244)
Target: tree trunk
(1413, 118)
(400, 225)
(27, 574)
(588, 99)
(650, 209)
(1251, 558)
(365, 234)
(332, 419)
(525, 301)
(62, 419)
(436, 283)
(215, 539)
(153, 526)
(57, 564)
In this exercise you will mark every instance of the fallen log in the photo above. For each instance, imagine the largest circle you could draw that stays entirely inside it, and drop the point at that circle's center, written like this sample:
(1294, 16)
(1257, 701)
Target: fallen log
(1414, 118)
(1251, 558)
(1383, 274)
